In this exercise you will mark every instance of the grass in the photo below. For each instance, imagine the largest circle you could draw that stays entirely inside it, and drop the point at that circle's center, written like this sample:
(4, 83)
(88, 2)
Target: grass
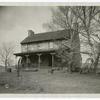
(44, 82)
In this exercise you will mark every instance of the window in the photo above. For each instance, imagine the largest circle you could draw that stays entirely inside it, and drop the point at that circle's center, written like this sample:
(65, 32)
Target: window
(51, 45)
(43, 46)
(24, 48)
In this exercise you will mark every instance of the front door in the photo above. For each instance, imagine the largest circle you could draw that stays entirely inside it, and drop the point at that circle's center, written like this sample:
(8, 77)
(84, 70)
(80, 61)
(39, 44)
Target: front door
(46, 61)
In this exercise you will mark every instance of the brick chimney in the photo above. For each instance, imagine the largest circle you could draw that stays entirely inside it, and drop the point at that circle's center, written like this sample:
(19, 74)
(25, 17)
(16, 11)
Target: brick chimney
(77, 59)
(30, 33)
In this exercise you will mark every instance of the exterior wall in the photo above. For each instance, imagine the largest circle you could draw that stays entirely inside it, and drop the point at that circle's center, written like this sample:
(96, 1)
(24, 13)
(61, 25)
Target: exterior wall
(40, 46)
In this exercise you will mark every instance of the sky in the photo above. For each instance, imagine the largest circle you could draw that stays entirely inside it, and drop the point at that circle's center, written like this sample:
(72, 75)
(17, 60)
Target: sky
(15, 21)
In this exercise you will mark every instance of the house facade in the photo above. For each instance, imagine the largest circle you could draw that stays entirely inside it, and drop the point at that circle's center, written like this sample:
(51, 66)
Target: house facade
(39, 50)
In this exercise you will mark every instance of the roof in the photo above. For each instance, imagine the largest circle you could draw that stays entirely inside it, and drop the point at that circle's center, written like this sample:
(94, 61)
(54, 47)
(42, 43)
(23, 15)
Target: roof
(47, 36)
(34, 52)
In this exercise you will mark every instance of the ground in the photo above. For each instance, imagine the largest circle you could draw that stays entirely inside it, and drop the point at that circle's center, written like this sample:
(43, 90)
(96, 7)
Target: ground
(44, 82)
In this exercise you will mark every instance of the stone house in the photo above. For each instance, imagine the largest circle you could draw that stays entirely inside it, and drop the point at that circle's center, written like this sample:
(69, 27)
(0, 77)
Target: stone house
(39, 50)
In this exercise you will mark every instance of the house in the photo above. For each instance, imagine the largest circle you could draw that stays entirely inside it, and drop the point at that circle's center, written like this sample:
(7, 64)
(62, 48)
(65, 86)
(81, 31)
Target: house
(39, 50)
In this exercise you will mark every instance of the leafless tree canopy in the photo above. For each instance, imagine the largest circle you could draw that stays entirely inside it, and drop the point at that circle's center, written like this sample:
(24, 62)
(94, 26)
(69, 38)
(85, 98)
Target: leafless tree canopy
(88, 21)
(6, 53)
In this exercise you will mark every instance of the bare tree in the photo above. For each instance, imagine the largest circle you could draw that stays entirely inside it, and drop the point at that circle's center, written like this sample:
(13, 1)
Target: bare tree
(87, 19)
(88, 16)
(6, 53)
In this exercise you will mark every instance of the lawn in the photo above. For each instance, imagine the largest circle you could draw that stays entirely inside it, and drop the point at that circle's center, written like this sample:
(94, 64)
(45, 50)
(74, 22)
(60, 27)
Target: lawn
(44, 82)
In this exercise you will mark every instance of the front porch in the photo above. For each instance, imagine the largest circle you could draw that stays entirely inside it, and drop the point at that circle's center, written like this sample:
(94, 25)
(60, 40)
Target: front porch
(40, 60)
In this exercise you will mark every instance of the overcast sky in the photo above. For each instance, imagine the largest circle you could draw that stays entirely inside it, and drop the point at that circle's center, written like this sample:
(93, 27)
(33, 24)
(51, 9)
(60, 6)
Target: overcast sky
(15, 21)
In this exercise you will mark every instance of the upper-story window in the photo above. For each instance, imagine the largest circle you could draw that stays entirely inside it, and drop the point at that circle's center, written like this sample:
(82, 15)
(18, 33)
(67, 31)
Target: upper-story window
(51, 45)
(56, 44)
(38, 46)
(24, 48)
(43, 45)
(32, 47)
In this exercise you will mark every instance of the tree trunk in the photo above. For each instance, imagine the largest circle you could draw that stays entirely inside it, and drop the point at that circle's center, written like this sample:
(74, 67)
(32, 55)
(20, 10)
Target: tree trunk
(96, 62)
(18, 67)
(5, 65)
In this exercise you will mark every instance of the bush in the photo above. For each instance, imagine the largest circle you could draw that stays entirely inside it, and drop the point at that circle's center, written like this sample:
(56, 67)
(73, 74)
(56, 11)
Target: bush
(9, 70)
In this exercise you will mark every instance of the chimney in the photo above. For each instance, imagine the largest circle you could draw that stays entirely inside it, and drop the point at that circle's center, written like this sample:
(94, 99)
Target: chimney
(30, 33)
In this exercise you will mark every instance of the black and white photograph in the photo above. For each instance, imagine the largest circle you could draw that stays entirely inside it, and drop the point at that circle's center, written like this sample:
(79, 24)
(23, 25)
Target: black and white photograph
(49, 49)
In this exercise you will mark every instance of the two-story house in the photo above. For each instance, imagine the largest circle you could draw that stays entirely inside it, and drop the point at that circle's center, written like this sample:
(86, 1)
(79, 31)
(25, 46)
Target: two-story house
(38, 50)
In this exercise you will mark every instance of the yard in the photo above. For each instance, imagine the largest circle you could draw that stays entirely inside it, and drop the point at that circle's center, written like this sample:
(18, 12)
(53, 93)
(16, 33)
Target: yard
(44, 82)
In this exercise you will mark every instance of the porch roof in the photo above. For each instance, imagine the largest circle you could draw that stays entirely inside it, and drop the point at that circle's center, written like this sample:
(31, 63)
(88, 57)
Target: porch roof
(33, 52)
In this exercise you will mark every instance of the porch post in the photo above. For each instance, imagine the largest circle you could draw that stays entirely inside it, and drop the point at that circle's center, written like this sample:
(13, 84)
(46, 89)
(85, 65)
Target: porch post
(52, 54)
(39, 60)
(27, 60)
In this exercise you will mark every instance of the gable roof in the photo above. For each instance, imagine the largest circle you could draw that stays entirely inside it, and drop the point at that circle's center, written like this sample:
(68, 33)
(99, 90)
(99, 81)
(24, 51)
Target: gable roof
(47, 36)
